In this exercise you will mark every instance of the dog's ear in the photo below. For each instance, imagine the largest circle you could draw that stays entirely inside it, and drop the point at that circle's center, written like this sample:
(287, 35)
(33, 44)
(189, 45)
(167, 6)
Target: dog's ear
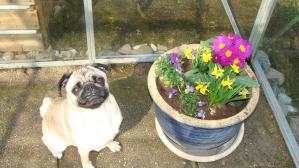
(103, 67)
(63, 81)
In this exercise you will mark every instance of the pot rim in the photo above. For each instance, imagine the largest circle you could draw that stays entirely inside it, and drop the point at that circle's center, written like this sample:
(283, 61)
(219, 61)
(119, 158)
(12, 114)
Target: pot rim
(235, 119)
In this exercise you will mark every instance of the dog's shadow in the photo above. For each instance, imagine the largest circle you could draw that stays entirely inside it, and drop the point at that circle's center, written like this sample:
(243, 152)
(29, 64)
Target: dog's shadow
(133, 99)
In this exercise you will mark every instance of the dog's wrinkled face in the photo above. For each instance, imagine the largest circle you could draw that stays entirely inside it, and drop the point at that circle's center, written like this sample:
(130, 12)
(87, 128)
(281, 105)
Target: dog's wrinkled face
(87, 87)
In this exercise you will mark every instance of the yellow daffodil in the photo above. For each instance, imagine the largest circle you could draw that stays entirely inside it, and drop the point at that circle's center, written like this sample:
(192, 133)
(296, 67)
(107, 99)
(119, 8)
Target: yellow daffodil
(227, 82)
(217, 71)
(244, 93)
(204, 89)
(235, 68)
(188, 54)
(199, 86)
(206, 57)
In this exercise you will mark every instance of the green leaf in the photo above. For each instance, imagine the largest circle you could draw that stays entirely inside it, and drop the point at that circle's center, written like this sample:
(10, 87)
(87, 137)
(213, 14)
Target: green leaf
(246, 81)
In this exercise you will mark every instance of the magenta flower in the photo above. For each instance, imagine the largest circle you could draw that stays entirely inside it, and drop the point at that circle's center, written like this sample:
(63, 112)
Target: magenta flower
(215, 58)
(221, 43)
(243, 48)
(233, 37)
(201, 103)
(228, 56)
(239, 61)
(200, 114)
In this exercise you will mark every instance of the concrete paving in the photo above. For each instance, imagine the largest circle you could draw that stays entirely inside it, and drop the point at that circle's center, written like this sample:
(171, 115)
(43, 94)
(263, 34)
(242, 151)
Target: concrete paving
(21, 93)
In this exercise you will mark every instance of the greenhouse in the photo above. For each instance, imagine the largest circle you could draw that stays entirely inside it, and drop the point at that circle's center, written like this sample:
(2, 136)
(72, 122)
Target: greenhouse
(160, 83)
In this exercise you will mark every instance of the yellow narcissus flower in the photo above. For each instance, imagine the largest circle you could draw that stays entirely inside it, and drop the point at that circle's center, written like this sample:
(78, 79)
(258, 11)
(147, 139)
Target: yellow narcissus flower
(202, 88)
(188, 54)
(244, 93)
(227, 82)
(217, 71)
(235, 68)
(206, 57)
(199, 85)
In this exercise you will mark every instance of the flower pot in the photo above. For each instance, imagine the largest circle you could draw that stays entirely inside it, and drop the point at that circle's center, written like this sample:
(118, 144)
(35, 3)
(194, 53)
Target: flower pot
(197, 139)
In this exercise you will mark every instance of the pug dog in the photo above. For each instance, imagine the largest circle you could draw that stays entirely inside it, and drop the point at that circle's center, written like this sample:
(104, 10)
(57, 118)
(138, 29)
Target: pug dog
(88, 118)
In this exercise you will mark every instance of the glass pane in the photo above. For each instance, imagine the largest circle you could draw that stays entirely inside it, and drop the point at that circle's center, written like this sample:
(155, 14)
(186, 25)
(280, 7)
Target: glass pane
(245, 13)
(45, 31)
(281, 43)
(129, 27)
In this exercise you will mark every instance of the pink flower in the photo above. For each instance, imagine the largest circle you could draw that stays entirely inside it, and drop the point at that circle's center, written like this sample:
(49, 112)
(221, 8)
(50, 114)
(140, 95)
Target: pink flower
(243, 48)
(215, 58)
(228, 56)
(221, 43)
(239, 61)
(233, 37)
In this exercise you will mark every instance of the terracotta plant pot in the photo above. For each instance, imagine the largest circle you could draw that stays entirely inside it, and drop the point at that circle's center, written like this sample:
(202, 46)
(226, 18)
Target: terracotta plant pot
(196, 139)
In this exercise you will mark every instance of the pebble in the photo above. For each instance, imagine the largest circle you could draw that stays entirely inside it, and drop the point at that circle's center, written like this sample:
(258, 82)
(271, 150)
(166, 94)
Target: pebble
(106, 52)
(263, 59)
(144, 49)
(138, 46)
(73, 52)
(66, 54)
(125, 49)
(275, 75)
(154, 47)
(284, 98)
(20, 57)
(161, 48)
(7, 56)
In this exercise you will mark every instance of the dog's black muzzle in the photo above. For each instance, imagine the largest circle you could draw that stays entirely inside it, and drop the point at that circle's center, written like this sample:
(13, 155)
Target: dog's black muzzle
(92, 96)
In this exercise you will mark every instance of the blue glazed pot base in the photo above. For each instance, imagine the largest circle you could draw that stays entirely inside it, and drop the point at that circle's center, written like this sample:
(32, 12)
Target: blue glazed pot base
(202, 155)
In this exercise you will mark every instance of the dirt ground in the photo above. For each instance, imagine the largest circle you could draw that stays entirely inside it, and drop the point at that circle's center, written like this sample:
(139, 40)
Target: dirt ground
(21, 93)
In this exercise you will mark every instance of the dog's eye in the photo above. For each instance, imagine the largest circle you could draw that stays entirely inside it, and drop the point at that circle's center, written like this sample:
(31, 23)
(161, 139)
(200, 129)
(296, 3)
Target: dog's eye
(99, 80)
(77, 88)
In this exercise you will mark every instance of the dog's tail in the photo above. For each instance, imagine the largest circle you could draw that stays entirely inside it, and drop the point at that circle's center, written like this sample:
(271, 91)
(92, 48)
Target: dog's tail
(43, 109)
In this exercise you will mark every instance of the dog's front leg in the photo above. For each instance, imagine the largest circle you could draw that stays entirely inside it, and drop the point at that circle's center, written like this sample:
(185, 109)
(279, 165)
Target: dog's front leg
(84, 154)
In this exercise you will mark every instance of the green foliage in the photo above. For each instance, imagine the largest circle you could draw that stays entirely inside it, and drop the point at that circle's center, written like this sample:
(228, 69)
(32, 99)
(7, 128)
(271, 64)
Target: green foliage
(167, 74)
(189, 101)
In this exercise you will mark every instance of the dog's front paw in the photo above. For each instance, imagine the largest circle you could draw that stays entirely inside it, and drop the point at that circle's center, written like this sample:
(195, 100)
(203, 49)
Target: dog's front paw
(88, 166)
(57, 155)
(114, 146)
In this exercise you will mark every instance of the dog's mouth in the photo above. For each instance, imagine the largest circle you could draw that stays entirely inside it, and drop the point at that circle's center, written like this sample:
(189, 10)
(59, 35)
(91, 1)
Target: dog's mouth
(92, 97)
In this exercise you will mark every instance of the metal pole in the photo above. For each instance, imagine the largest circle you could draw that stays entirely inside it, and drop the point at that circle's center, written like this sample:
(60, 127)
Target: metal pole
(89, 30)
(231, 17)
(261, 23)
(277, 112)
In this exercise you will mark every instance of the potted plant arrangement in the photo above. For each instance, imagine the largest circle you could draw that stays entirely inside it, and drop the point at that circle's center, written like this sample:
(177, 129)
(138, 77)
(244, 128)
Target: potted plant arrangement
(202, 94)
